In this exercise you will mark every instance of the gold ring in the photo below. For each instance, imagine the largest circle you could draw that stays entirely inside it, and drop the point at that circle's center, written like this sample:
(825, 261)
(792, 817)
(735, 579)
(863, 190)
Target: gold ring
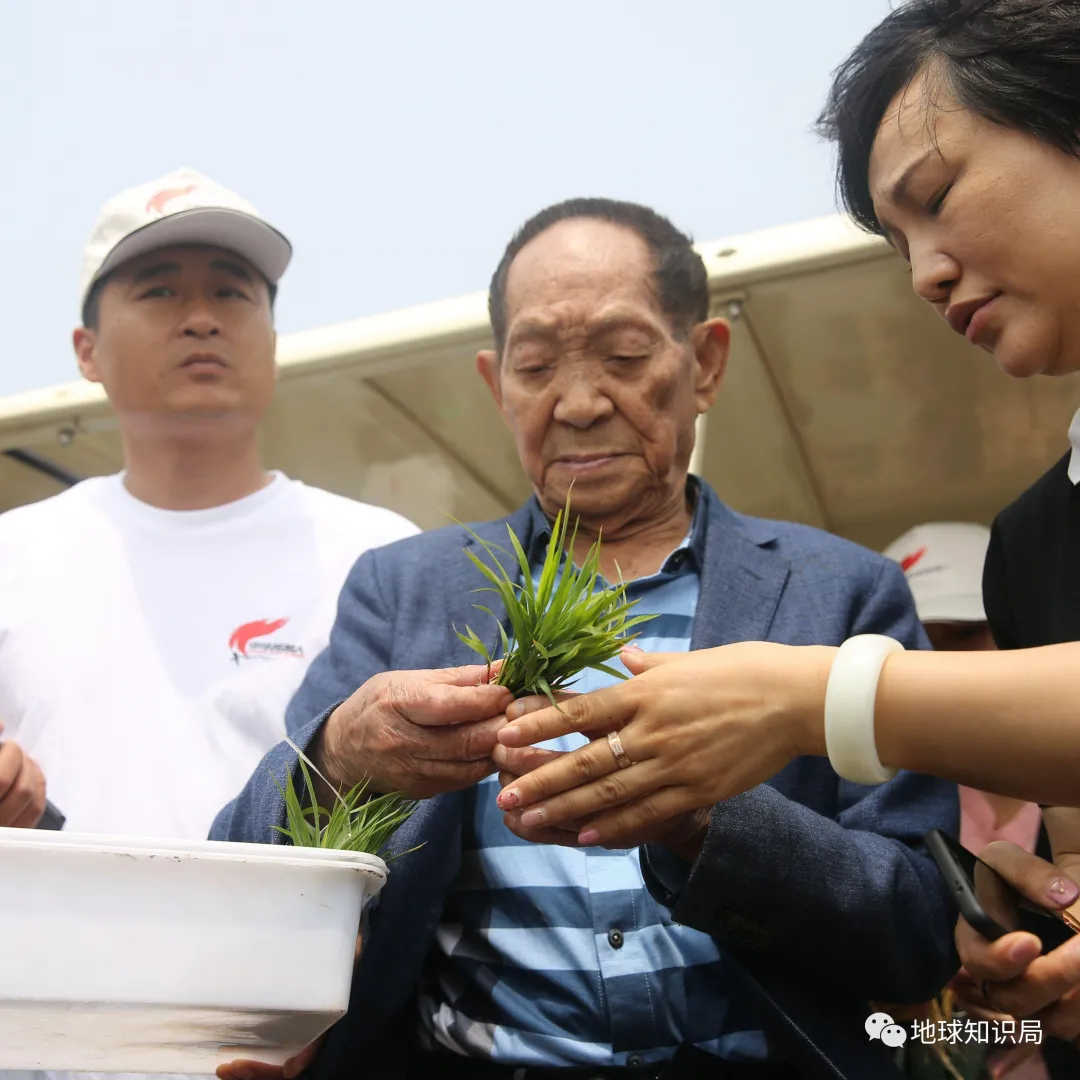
(622, 758)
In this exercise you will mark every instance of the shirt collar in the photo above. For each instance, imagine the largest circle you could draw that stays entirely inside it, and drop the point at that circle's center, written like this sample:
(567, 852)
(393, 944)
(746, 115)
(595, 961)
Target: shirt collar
(693, 542)
(1074, 439)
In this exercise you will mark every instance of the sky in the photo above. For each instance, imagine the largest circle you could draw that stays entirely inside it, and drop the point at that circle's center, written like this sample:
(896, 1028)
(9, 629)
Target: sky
(399, 144)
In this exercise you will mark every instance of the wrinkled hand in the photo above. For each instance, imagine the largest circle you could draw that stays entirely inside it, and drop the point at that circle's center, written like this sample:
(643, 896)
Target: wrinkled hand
(420, 733)
(22, 787)
(245, 1069)
(682, 834)
(699, 727)
(1021, 982)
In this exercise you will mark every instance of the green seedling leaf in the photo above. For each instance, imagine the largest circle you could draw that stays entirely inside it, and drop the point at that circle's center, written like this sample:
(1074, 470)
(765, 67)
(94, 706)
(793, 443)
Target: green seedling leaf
(562, 621)
(356, 821)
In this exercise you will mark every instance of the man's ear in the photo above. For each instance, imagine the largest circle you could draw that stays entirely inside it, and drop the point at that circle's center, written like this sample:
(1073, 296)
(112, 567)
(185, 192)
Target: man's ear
(712, 344)
(487, 364)
(85, 342)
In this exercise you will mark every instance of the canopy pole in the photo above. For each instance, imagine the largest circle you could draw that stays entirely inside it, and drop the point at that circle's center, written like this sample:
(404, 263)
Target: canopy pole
(33, 460)
(698, 455)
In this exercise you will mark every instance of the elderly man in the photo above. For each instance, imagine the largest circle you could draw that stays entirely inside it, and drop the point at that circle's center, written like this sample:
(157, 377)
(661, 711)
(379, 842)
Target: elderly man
(489, 956)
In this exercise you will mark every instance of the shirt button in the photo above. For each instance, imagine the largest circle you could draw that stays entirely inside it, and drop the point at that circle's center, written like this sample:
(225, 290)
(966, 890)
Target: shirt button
(615, 939)
(635, 1060)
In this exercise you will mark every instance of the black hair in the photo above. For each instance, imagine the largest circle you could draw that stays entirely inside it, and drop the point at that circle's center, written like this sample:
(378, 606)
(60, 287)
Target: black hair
(1013, 62)
(91, 311)
(682, 283)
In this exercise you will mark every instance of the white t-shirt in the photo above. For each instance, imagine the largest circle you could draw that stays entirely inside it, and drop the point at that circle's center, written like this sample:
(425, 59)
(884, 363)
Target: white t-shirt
(147, 656)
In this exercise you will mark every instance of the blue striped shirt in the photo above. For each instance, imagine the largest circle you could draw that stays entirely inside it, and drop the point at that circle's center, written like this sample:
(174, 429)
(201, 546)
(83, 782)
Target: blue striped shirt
(553, 956)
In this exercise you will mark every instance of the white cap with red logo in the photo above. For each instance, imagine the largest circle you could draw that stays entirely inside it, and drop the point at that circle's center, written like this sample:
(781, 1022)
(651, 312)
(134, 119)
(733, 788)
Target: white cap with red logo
(943, 562)
(184, 207)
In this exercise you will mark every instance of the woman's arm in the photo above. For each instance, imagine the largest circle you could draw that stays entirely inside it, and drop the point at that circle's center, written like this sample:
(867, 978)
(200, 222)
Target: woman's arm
(705, 726)
(1007, 722)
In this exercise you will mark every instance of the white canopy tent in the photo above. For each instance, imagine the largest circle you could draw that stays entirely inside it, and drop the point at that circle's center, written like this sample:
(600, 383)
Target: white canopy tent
(848, 404)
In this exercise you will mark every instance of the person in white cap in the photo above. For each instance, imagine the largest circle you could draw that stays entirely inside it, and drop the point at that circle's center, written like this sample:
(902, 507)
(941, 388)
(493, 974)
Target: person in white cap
(155, 623)
(943, 563)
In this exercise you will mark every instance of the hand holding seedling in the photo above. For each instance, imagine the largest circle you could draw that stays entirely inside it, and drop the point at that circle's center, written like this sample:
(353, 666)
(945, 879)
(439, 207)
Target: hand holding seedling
(420, 733)
(22, 787)
(694, 729)
(682, 834)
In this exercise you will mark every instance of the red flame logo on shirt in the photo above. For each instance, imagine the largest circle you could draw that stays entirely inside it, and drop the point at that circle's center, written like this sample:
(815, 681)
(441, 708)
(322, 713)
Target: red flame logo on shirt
(908, 561)
(249, 631)
(156, 205)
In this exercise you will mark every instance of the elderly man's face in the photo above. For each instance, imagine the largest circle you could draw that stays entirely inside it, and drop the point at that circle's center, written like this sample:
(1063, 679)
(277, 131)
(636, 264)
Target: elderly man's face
(596, 386)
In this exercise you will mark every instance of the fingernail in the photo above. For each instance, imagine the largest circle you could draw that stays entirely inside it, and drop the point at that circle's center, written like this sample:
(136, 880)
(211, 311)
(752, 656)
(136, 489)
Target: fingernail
(1062, 891)
(532, 817)
(632, 648)
(1023, 952)
(515, 709)
(588, 836)
(508, 800)
(509, 736)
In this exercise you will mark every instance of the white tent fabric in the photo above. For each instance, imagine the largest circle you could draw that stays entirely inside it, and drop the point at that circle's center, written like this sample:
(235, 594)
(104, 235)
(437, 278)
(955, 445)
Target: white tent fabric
(848, 404)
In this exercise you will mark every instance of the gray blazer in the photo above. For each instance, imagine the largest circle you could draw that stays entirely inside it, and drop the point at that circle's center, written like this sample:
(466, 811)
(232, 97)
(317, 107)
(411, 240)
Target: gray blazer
(819, 890)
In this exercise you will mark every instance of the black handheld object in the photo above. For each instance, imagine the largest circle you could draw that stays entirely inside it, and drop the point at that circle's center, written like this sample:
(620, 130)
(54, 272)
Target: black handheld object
(51, 819)
(988, 903)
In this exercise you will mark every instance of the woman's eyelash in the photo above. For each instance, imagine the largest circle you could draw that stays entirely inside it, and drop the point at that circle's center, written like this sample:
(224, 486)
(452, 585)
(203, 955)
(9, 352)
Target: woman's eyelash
(935, 203)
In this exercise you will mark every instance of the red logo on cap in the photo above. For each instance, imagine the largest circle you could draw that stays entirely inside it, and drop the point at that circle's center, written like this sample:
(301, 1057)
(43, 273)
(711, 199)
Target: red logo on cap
(157, 204)
(908, 561)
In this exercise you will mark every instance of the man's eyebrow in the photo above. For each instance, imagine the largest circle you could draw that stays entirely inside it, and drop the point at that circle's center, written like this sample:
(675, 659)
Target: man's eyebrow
(545, 330)
(155, 270)
(617, 321)
(532, 330)
(233, 268)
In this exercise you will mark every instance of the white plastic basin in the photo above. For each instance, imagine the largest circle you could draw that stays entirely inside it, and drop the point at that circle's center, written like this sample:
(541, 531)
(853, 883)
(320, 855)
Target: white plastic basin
(132, 955)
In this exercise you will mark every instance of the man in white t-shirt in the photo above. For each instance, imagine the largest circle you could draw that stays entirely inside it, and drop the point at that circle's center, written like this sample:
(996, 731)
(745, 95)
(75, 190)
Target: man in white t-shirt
(154, 624)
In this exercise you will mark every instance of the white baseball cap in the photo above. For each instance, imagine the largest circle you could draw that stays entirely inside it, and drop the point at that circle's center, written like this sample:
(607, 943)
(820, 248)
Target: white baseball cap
(184, 207)
(943, 562)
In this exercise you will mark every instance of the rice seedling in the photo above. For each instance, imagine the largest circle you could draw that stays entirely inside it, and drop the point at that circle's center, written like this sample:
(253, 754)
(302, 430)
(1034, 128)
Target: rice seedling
(561, 624)
(356, 822)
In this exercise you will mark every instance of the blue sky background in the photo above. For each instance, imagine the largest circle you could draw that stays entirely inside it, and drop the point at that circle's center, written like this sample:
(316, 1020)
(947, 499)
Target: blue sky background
(399, 144)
